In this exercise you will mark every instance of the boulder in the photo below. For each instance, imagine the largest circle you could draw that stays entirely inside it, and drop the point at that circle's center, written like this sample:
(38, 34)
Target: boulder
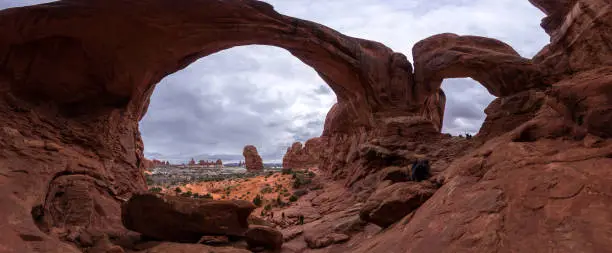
(266, 237)
(252, 159)
(389, 205)
(395, 174)
(182, 219)
(334, 228)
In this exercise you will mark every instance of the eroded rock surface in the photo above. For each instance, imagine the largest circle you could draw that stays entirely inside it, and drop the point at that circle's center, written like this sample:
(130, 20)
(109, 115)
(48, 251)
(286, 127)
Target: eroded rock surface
(306, 156)
(535, 178)
(185, 219)
(390, 204)
(264, 237)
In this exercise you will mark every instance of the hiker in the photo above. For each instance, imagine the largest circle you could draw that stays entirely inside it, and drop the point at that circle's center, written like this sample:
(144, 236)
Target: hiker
(420, 170)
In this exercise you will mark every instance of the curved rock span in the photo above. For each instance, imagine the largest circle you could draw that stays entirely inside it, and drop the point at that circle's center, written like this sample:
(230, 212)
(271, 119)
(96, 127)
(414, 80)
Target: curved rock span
(76, 77)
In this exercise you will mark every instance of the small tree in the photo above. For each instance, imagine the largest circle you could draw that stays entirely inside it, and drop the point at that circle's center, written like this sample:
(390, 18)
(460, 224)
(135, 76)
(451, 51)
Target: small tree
(257, 201)
(155, 190)
(177, 190)
(293, 198)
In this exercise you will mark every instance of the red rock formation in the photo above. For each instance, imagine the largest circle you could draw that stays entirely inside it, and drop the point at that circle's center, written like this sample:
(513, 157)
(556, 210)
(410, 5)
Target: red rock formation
(264, 237)
(219, 163)
(181, 219)
(252, 160)
(74, 83)
(154, 163)
(540, 167)
(309, 156)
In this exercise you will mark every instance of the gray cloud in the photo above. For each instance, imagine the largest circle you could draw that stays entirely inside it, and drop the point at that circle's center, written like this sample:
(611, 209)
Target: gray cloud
(266, 97)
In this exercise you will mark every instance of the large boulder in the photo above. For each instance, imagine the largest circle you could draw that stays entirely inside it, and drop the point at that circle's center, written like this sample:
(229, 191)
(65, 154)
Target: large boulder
(335, 228)
(252, 160)
(395, 174)
(390, 204)
(263, 236)
(184, 219)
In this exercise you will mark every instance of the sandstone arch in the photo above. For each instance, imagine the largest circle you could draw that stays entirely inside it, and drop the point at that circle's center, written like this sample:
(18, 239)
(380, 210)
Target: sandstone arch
(124, 64)
(76, 76)
(494, 64)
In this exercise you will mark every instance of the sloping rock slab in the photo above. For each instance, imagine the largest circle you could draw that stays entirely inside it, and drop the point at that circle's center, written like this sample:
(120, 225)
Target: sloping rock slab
(181, 219)
(266, 237)
(389, 205)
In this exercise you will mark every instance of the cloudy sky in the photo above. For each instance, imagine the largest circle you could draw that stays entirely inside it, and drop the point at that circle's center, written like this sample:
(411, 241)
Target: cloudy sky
(264, 96)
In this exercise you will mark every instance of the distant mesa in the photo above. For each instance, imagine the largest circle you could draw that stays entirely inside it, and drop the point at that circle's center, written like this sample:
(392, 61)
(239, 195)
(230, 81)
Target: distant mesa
(205, 164)
(252, 160)
(149, 164)
(218, 164)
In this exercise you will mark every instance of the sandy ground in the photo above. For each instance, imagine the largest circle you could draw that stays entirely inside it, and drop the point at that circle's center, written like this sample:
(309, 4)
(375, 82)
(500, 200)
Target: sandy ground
(269, 187)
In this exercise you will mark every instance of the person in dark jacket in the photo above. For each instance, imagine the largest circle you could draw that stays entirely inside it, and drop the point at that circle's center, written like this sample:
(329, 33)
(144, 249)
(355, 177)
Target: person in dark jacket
(420, 170)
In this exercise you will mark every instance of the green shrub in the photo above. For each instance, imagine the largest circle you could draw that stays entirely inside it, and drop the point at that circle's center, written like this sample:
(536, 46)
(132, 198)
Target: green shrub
(279, 201)
(257, 201)
(155, 190)
(266, 189)
(186, 194)
(268, 207)
(149, 179)
(293, 198)
(177, 190)
(301, 181)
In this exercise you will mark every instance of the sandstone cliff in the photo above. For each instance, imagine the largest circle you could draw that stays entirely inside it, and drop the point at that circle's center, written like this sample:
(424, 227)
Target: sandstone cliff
(306, 156)
(76, 77)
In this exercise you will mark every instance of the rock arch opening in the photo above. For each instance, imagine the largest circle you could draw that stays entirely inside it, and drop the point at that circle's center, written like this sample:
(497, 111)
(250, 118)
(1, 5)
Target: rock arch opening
(247, 95)
(464, 110)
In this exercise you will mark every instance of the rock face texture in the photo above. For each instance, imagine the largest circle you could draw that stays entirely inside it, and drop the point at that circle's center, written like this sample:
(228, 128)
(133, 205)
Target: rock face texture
(252, 160)
(264, 237)
(307, 156)
(390, 204)
(184, 219)
(76, 77)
